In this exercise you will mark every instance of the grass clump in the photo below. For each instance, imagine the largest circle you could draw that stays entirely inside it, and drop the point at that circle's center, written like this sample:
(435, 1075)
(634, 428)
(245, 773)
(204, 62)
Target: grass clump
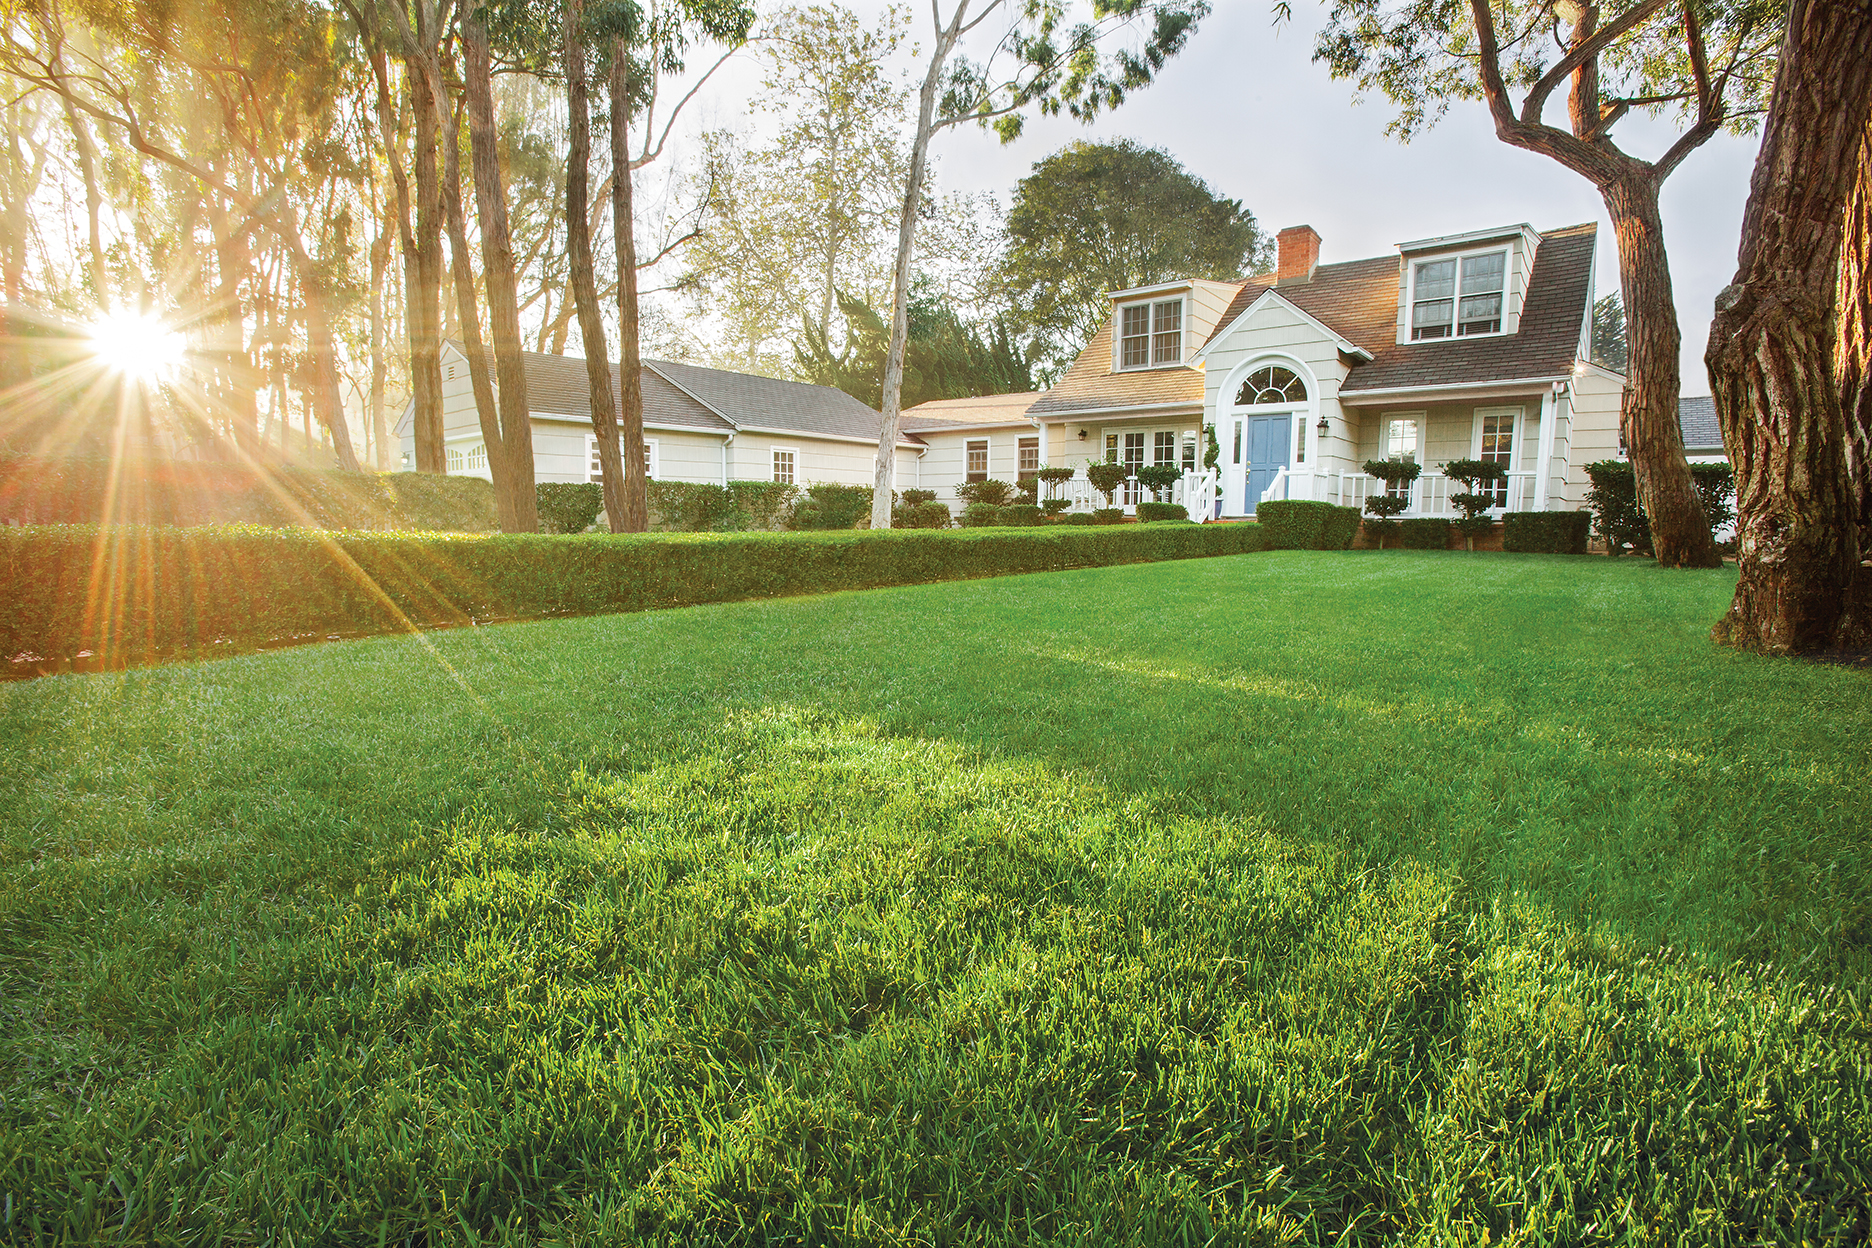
(601, 931)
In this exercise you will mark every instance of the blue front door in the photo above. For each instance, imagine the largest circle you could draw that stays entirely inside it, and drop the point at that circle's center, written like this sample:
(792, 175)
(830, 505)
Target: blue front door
(1268, 440)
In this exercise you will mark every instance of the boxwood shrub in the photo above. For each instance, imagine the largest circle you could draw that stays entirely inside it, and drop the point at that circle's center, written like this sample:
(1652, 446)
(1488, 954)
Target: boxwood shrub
(1424, 533)
(1108, 515)
(831, 506)
(1300, 524)
(1019, 515)
(1148, 512)
(568, 506)
(219, 590)
(927, 514)
(1546, 532)
(1080, 518)
(698, 507)
(979, 516)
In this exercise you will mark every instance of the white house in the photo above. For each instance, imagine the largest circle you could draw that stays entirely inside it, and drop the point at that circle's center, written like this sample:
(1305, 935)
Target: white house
(700, 424)
(1472, 345)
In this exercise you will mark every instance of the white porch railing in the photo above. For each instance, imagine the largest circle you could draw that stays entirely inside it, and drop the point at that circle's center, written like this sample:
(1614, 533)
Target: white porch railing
(1196, 491)
(1429, 493)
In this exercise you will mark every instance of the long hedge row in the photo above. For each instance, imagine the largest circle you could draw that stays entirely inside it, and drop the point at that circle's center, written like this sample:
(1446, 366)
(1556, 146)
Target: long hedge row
(131, 595)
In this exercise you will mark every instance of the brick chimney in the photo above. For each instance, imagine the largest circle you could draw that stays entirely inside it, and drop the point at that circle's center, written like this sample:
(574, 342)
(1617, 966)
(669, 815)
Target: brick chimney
(1299, 254)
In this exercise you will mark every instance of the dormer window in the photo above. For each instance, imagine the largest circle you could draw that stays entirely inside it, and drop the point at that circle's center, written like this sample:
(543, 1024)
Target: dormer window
(1150, 334)
(1458, 296)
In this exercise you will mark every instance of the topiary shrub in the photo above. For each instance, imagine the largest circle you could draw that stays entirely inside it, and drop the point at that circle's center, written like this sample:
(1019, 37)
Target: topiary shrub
(1149, 512)
(1106, 476)
(1054, 506)
(1424, 533)
(1018, 515)
(916, 498)
(1159, 477)
(992, 492)
(831, 506)
(1301, 524)
(1027, 490)
(980, 515)
(1385, 506)
(1479, 476)
(1108, 515)
(1053, 478)
(1546, 532)
(568, 506)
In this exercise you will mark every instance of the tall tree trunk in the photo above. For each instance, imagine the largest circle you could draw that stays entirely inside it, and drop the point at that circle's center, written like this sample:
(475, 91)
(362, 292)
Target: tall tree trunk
(884, 478)
(624, 238)
(584, 283)
(327, 400)
(1773, 340)
(497, 267)
(425, 326)
(472, 345)
(1680, 531)
(94, 200)
(379, 420)
(1853, 355)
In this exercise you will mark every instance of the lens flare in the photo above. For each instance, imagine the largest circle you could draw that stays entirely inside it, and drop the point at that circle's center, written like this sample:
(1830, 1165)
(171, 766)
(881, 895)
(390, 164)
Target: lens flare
(137, 345)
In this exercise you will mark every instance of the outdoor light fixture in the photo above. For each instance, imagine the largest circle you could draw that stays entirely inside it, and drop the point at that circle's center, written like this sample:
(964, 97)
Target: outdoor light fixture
(1082, 435)
(1323, 427)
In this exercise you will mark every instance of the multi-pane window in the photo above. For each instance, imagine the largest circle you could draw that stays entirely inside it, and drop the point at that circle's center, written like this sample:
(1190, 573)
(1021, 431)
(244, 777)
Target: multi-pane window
(1027, 462)
(783, 467)
(1163, 447)
(1150, 333)
(1189, 455)
(1133, 452)
(454, 458)
(1400, 443)
(975, 464)
(1272, 384)
(476, 458)
(1498, 430)
(1458, 296)
(595, 467)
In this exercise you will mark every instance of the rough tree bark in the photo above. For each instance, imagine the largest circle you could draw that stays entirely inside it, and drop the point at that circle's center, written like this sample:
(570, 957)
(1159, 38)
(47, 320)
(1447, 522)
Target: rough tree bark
(1853, 354)
(1774, 336)
(379, 423)
(635, 490)
(584, 284)
(497, 267)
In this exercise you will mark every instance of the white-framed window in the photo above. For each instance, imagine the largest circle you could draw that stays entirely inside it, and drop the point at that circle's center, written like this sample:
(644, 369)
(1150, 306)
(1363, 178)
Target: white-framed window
(1189, 451)
(594, 470)
(1458, 296)
(1163, 448)
(1402, 438)
(785, 465)
(1150, 334)
(1027, 458)
(1496, 429)
(975, 460)
(475, 458)
(454, 459)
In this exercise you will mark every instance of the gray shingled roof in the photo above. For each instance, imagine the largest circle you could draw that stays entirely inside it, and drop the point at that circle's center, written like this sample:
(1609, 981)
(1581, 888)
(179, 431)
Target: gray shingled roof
(1701, 434)
(768, 403)
(559, 385)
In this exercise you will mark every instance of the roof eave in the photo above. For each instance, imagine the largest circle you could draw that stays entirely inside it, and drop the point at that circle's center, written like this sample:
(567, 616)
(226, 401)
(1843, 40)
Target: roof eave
(1345, 345)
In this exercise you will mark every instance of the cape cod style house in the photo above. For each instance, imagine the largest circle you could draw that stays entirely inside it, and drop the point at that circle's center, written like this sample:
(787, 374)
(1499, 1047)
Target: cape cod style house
(1472, 345)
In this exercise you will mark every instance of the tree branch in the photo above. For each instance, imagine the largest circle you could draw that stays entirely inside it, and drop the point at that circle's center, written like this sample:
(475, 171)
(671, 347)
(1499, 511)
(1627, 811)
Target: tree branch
(1536, 102)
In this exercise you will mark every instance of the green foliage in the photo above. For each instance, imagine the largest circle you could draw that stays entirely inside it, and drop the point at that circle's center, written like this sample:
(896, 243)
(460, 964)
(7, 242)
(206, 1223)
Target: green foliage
(1546, 532)
(927, 515)
(1478, 475)
(1715, 487)
(1056, 476)
(697, 507)
(1620, 522)
(1213, 454)
(979, 515)
(1608, 333)
(1081, 518)
(1424, 533)
(1054, 506)
(1019, 515)
(1027, 489)
(1385, 505)
(994, 493)
(40, 490)
(831, 506)
(1097, 217)
(1148, 512)
(1159, 477)
(569, 507)
(1301, 524)
(1106, 476)
(945, 358)
(1108, 515)
(916, 498)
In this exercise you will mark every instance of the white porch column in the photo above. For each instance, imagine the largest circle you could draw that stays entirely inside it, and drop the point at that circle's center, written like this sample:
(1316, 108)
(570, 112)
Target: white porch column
(1544, 465)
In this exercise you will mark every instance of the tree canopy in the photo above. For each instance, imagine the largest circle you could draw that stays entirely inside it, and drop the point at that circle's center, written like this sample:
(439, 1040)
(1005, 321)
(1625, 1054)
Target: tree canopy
(944, 357)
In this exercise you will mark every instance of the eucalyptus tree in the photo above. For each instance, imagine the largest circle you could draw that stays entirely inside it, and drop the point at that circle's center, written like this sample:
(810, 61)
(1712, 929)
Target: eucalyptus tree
(1038, 60)
(1708, 65)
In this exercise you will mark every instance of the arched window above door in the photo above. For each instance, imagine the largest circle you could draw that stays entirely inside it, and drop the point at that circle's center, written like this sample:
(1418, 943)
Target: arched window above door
(1272, 384)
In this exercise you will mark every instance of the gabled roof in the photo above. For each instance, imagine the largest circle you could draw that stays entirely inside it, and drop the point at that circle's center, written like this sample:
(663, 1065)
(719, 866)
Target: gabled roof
(1355, 299)
(557, 385)
(757, 402)
(1090, 384)
(980, 410)
(1702, 435)
(1269, 297)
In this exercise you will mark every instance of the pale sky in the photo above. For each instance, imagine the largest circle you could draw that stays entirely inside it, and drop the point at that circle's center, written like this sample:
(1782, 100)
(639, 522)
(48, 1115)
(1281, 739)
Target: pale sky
(1247, 110)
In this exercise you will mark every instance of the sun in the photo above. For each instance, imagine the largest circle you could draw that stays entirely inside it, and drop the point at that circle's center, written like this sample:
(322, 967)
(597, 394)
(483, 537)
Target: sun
(137, 345)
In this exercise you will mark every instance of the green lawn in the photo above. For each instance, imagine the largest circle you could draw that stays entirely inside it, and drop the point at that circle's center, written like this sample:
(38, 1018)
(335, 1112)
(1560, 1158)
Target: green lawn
(1331, 898)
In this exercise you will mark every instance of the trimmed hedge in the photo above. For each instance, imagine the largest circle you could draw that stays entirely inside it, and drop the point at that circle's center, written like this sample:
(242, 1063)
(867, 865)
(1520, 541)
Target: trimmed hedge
(1147, 512)
(1546, 532)
(222, 590)
(926, 514)
(41, 490)
(830, 506)
(1108, 515)
(568, 506)
(1300, 524)
(1019, 515)
(979, 516)
(697, 507)
(1424, 533)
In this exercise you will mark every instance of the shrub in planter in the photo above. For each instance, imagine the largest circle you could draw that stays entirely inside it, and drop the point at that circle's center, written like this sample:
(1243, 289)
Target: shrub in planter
(1147, 512)
(1480, 477)
(1546, 532)
(568, 506)
(1017, 515)
(980, 515)
(1159, 477)
(925, 515)
(1397, 474)
(1053, 506)
(1424, 533)
(1302, 524)
(916, 498)
(1108, 515)
(992, 492)
(1106, 477)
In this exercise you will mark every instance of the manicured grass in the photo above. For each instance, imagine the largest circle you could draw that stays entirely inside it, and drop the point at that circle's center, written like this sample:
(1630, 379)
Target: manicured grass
(1330, 898)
